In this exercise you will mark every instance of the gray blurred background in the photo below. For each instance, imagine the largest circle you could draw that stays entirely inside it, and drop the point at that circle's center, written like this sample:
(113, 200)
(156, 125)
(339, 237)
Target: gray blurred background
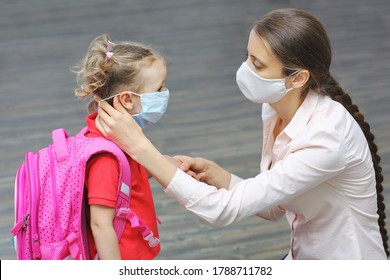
(204, 43)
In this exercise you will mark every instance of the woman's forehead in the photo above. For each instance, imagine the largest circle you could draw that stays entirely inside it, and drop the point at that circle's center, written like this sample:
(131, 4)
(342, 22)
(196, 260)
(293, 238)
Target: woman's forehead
(259, 47)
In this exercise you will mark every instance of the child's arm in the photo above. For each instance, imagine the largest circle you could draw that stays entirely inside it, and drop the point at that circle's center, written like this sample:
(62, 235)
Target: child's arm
(103, 232)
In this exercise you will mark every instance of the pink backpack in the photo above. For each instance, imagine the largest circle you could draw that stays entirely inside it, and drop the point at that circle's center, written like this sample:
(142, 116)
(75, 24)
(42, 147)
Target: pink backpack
(50, 201)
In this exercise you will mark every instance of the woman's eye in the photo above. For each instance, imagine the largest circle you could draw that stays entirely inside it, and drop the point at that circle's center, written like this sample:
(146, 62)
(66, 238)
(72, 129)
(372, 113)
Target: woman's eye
(256, 64)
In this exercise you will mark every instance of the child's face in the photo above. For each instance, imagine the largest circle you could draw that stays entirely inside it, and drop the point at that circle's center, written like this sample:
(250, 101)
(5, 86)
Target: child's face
(153, 79)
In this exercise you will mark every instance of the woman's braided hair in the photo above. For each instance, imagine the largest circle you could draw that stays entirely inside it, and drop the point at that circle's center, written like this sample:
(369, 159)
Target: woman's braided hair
(299, 41)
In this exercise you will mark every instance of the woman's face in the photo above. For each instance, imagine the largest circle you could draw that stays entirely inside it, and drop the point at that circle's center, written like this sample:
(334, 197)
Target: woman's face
(261, 59)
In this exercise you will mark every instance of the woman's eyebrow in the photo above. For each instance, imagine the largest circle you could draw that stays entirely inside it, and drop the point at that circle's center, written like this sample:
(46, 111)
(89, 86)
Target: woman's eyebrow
(255, 57)
(258, 59)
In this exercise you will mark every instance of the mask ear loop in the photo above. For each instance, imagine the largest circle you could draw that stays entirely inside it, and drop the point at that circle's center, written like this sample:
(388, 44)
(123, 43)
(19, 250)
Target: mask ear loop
(108, 98)
(117, 94)
(292, 74)
(136, 94)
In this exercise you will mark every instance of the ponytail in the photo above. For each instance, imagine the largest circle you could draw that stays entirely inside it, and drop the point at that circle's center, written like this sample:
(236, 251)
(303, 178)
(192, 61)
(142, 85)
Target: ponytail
(332, 88)
(94, 70)
(109, 67)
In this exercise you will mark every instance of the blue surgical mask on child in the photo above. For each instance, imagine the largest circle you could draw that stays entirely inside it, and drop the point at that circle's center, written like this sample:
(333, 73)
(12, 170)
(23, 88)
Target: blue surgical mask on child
(154, 105)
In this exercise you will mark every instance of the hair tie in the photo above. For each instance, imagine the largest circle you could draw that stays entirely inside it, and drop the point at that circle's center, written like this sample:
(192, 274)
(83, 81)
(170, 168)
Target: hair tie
(109, 55)
(110, 45)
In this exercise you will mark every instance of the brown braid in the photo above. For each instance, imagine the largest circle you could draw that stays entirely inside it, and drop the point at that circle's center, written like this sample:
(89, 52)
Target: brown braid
(334, 90)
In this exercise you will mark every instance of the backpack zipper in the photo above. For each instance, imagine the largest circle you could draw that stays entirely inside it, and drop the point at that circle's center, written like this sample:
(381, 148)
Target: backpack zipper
(33, 160)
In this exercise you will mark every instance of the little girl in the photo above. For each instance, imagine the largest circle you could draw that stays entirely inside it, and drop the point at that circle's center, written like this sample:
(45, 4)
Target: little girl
(136, 74)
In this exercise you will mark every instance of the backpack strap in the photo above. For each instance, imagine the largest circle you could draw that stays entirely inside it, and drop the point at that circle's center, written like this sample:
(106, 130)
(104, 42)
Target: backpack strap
(123, 213)
(139, 225)
(123, 198)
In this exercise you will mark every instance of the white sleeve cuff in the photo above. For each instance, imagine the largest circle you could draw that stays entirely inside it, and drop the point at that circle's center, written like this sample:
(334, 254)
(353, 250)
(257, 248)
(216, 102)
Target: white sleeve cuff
(234, 181)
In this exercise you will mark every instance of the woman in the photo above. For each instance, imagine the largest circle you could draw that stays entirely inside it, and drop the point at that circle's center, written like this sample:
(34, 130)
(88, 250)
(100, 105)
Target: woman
(319, 165)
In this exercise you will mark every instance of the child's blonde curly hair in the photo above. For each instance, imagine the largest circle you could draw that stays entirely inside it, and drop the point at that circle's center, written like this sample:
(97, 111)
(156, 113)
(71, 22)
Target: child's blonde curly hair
(111, 67)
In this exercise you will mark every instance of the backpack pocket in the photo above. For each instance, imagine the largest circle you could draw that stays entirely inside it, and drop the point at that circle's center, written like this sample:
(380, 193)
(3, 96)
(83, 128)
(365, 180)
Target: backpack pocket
(55, 251)
(69, 248)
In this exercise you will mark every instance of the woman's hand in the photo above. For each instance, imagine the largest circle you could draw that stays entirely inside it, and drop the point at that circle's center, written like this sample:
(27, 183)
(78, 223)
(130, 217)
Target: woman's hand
(117, 125)
(205, 171)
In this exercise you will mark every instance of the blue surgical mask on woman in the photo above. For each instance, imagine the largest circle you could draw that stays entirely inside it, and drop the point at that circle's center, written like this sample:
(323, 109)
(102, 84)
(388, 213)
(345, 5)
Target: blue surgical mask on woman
(154, 105)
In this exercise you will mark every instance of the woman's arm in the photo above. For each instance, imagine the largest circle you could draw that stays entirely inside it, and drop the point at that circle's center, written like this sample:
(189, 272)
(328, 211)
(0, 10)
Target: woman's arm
(118, 126)
(103, 232)
(297, 173)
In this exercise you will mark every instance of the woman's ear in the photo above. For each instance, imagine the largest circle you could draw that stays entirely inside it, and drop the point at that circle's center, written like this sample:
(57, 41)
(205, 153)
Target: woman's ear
(300, 79)
(126, 98)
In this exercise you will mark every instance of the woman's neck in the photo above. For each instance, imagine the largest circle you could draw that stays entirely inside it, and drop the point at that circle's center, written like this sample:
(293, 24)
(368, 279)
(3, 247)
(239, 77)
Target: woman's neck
(286, 109)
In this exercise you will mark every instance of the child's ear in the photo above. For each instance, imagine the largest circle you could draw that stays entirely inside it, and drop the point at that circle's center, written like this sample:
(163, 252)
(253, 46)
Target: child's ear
(126, 98)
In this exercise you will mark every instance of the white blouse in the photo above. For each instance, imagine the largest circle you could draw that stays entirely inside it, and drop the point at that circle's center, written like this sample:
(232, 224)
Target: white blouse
(318, 172)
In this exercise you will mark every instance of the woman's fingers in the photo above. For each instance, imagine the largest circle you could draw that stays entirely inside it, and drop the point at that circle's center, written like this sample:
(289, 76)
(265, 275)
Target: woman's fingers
(103, 120)
(201, 177)
(107, 108)
(97, 98)
(184, 159)
(195, 167)
(100, 125)
(118, 106)
(111, 115)
(109, 118)
(117, 125)
(186, 162)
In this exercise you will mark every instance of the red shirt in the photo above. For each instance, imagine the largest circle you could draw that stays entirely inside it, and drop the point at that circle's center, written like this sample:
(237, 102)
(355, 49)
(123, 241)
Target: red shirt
(101, 181)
